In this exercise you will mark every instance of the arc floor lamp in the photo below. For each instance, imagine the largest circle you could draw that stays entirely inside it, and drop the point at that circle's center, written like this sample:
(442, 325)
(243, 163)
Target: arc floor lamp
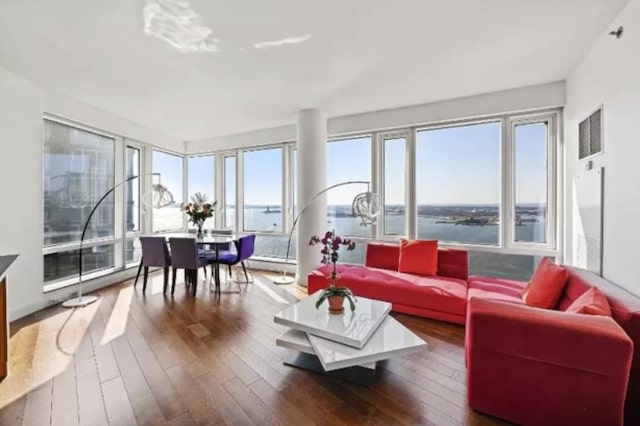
(161, 198)
(365, 205)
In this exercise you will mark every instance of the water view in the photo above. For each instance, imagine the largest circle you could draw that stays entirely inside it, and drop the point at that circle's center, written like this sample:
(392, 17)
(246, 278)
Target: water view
(477, 225)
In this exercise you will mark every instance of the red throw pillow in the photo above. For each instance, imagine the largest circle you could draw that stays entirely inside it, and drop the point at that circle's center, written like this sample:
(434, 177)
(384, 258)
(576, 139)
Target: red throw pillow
(592, 302)
(383, 256)
(419, 257)
(546, 285)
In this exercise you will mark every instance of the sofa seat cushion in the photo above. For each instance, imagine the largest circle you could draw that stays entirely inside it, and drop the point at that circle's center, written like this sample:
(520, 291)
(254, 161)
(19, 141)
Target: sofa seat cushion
(496, 289)
(435, 293)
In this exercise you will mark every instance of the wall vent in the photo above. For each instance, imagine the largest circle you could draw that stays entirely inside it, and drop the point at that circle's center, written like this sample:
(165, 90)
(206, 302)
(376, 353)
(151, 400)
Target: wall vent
(590, 135)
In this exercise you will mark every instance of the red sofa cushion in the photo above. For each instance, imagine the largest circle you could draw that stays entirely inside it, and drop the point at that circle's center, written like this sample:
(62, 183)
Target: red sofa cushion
(452, 263)
(592, 302)
(441, 294)
(546, 285)
(383, 256)
(419, 257)
(496, 289)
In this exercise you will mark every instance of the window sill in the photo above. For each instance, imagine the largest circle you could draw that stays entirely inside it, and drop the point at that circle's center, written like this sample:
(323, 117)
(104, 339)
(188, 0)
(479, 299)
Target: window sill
(57, 285)
(276, 260)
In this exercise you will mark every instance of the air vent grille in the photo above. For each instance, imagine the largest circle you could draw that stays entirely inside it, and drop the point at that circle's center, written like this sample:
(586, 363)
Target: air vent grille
(590, 135)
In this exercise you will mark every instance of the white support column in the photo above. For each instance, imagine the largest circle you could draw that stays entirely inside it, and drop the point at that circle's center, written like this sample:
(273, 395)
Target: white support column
(312, 178)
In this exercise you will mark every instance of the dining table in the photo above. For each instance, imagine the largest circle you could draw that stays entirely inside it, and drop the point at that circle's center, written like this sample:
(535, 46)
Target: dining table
(215, 241)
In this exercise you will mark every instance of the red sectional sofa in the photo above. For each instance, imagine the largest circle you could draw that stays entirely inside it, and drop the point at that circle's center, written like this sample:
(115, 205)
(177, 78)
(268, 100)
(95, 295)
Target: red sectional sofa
(528, 365)
(442, 297)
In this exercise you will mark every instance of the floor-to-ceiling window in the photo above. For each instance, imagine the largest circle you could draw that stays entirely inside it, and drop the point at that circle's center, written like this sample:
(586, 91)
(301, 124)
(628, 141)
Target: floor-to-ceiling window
(487, 186)
(78, 168)
(263, 192)
(458, 183)
(201, 181)
(531, 192)
(168, 170)
(262, 207)
(348, 159)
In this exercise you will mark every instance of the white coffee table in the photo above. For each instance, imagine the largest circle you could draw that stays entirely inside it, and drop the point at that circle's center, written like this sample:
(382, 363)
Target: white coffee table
(348, 345)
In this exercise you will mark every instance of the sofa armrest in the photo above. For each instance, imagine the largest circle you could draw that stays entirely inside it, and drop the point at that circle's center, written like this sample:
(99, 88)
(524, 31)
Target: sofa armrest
(592, 343)
(535, 366)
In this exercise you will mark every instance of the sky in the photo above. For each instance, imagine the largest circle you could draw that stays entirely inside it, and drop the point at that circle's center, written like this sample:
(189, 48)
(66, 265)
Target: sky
(170, 168)
(455, 165)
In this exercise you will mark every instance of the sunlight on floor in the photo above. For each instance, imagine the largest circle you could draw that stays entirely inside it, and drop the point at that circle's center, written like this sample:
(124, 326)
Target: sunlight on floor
(119, 315)
(55, 344)
(268, 291)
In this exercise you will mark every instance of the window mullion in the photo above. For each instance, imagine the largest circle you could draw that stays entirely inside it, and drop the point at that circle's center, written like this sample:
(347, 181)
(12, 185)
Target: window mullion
(377, 187)
(411, 205)
(506, 184)
(240, 191)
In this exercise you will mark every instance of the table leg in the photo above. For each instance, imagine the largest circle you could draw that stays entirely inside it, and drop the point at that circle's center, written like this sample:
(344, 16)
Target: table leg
(217, 269)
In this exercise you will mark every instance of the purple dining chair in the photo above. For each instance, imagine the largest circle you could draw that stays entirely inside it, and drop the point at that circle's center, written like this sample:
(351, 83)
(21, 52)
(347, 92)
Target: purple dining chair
(185, 255)
(155, 253)
(245, 247)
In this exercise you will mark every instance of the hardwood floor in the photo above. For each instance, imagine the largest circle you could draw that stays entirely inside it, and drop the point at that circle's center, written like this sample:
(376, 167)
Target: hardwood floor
(150, 359)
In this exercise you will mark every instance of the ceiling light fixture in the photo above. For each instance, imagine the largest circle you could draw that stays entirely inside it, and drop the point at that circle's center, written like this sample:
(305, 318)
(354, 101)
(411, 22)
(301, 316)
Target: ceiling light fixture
(175, 22)
(282, 42)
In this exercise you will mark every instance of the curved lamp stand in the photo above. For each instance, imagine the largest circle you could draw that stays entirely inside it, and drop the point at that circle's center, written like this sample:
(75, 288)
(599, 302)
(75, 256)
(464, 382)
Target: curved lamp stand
(82, 301)
(285, 279)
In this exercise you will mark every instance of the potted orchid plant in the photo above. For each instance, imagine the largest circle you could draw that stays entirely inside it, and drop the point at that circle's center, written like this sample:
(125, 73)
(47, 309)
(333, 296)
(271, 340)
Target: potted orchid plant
(199, 210)
(331, 245)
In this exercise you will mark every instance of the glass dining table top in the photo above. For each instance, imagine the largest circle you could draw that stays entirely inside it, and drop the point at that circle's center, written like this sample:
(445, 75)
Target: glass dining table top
(205, 239)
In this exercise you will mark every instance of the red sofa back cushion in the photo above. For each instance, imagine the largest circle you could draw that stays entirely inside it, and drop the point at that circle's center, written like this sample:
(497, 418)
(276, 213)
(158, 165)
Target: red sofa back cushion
(625, 309)
(452, 263)
(383, 256)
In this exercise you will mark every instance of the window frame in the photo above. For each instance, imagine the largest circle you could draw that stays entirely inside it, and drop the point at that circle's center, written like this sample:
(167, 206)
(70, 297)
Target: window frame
(501, 183)
(553, 147)
(118, 238)
(373, 179)
(283, 213)
(380, 161)
(223, 188)
(142, 212)
(148, 187)
(187, 190)
(377, 137)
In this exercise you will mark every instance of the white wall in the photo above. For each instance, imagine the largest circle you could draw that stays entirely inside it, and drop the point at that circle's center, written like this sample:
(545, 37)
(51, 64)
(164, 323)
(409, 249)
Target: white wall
(523, 99)
(22, 105)
(610, 76)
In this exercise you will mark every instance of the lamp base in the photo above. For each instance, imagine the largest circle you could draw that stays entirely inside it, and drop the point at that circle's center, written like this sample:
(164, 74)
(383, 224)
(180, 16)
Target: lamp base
(79, 302)
(284, 280)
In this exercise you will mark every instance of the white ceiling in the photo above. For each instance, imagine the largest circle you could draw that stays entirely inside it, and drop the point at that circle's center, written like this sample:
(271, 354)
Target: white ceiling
(363, 55)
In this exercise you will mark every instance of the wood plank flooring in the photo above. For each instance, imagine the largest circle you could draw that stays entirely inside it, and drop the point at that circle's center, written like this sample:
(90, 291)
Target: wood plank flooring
(149, 359)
